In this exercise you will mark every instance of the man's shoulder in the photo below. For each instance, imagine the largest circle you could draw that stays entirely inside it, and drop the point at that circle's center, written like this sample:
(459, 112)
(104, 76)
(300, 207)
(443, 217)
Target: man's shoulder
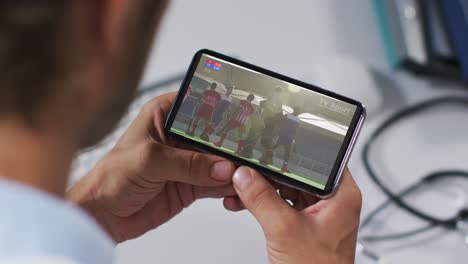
(226, 98)
(51, 227)
(38, 260)
(293, 118)
(213, 93)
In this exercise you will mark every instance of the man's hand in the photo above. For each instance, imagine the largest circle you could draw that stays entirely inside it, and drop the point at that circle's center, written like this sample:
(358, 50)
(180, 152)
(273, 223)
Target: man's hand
(146, 179)
(308, 231)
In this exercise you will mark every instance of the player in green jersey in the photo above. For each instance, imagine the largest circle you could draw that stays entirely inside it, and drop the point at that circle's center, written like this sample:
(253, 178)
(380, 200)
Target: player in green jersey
(272, 112)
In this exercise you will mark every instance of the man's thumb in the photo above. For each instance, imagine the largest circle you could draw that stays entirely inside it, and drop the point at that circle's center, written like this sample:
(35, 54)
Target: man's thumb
(260, 198)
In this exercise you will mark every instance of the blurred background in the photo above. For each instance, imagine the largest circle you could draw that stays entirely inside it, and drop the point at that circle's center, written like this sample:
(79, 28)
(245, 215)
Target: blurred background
(390, 54)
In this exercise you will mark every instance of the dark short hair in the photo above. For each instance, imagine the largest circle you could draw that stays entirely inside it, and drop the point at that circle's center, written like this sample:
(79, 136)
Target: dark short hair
(250, 97)
(29, 52)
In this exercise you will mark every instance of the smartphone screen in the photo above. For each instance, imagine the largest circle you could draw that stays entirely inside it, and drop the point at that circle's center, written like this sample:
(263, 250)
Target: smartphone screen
(294, 132)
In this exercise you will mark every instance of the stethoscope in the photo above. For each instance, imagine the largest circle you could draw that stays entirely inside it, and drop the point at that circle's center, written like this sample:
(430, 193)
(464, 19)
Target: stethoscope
(458, 222)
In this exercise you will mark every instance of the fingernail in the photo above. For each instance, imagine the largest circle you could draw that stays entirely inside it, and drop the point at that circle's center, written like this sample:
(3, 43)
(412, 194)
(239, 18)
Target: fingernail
(221, 170)
(242, 178)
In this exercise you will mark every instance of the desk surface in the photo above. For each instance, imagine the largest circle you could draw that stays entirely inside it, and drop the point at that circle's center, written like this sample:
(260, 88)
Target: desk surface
(288, 37)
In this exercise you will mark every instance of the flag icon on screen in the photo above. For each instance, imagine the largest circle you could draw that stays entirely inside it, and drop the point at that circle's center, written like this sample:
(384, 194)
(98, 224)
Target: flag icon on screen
(213, 65)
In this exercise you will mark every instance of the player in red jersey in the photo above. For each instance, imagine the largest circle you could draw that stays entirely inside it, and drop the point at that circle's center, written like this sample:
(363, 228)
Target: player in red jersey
(211, 99)
(238, 120)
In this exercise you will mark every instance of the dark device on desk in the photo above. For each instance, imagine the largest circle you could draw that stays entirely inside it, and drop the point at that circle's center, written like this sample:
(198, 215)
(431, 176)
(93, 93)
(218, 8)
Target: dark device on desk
(298, 134)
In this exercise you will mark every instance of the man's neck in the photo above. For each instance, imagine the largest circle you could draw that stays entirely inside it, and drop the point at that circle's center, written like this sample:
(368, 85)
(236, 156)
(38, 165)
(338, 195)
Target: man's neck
(36, 158)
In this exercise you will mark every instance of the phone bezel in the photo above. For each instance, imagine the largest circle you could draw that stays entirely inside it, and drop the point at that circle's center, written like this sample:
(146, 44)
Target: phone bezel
(343, 154)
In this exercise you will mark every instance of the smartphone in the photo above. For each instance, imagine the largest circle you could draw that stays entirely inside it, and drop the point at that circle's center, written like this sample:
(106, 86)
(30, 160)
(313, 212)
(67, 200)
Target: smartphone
(296, 133)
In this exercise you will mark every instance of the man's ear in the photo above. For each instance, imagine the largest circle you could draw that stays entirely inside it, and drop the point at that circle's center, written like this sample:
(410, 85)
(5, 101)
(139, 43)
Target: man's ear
(110, 20)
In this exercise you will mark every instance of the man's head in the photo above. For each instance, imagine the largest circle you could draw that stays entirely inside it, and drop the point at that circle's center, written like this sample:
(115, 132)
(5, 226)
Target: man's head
(229, 90)
(213, 86)
(73, 65)
(278, 94)
(250, 97)
(296, 111)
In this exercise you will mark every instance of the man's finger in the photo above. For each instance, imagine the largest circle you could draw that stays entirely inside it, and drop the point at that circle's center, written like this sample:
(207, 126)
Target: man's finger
(344, 206)
(233, 203)
(261, 199)
(166, 163)
(201, 192)
(150, 121)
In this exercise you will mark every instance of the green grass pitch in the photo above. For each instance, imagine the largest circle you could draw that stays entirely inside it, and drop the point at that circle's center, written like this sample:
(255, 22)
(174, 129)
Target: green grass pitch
(291, 175)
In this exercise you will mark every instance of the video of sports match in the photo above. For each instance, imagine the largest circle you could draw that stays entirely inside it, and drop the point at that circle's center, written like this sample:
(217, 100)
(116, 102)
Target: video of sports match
(275, 124)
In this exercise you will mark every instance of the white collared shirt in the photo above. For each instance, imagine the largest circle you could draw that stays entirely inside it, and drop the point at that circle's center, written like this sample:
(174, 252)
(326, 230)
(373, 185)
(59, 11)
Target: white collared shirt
(36, 227)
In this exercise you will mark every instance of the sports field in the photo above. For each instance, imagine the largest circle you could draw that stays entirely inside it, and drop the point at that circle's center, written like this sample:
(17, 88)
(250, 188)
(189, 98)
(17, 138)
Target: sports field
(291, 175)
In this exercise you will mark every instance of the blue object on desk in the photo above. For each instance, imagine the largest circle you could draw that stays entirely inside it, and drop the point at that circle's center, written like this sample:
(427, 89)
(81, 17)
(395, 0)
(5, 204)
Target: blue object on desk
(455, 13)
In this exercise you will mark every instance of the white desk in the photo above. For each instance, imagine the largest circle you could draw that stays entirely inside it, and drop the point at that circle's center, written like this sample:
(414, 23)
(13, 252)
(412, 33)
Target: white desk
(288, 36)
